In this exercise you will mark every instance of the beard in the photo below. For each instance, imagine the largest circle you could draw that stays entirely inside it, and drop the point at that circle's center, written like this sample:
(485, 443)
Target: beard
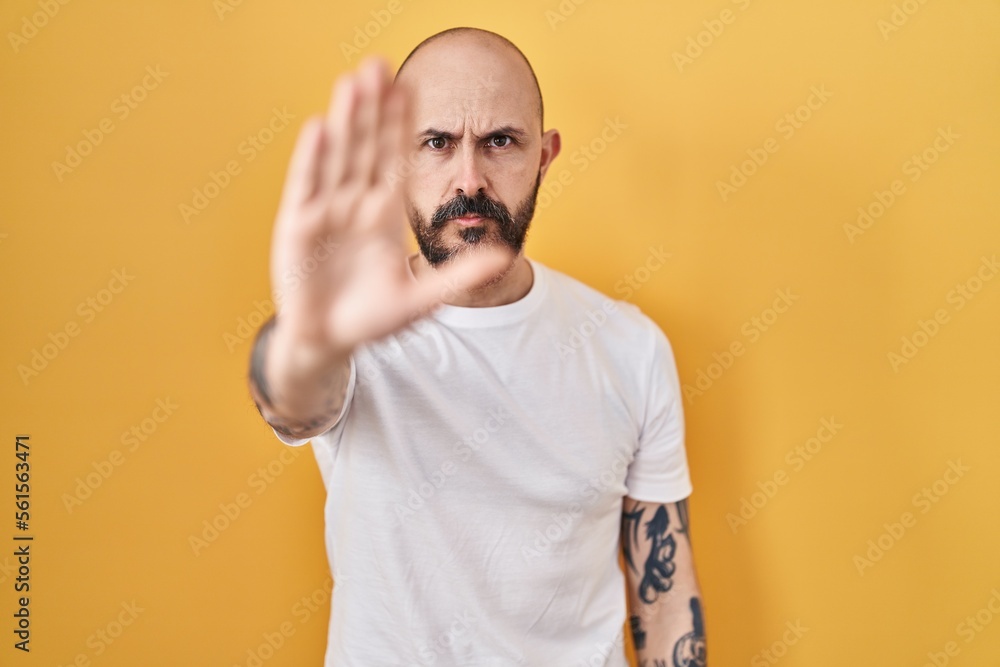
(498, 226)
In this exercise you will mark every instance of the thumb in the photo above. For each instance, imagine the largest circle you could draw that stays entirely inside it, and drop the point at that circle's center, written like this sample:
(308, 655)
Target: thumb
(457, 276)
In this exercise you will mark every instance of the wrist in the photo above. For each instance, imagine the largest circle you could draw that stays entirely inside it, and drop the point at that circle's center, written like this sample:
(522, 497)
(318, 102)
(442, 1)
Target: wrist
(291, 358)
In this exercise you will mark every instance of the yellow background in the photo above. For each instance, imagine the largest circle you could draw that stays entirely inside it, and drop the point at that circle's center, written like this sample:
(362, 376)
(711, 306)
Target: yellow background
(164, 336)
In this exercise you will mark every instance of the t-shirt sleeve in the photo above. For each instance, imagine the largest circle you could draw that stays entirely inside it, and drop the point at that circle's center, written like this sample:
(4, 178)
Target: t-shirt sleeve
(659, 470)
(337, 427)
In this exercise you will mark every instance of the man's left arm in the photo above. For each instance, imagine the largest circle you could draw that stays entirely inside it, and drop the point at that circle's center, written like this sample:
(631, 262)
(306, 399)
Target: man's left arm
(664, 600)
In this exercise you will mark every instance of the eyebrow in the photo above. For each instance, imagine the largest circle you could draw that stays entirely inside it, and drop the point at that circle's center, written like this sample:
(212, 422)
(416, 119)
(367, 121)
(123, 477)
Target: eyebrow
(515, 132)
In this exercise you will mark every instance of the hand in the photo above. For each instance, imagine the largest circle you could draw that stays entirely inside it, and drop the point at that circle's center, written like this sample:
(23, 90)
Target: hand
(338, 205)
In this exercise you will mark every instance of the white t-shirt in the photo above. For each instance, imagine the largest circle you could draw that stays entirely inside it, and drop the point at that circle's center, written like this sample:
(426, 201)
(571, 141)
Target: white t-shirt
(475, 480)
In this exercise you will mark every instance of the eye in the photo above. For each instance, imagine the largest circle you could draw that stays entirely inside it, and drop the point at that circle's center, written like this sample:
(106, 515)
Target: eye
(437, 143)
(501, 137)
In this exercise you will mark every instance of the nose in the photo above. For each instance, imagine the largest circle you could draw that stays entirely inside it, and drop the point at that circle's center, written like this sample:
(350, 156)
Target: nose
(470, 179)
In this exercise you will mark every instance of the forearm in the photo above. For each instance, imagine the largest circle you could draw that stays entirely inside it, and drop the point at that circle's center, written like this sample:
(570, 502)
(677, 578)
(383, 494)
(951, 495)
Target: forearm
(298, 392)
(664, 599)
(665, 633)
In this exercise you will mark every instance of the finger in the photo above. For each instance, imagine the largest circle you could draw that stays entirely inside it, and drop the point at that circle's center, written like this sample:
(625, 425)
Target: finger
(302, 180)
(367, 121)
(389, 170)
(338, 121)
(457, 276)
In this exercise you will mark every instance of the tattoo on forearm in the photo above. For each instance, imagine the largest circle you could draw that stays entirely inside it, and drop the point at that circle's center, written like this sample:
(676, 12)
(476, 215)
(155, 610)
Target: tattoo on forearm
(301, 429)
(689, 651)
(659, 566)
(264, 397)
(682, 515)
(638, 634)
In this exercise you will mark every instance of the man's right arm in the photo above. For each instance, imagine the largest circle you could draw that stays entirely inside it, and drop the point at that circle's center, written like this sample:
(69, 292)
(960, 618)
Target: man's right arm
(299, 393)
(338, 204)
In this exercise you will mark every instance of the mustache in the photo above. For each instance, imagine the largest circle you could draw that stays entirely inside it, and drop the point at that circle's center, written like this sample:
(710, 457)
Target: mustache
(463, 205)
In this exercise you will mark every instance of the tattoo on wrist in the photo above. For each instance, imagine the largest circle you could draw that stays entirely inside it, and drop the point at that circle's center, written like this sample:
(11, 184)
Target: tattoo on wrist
(689, 651)
(638, 634)
(682, 515)
(303, 428)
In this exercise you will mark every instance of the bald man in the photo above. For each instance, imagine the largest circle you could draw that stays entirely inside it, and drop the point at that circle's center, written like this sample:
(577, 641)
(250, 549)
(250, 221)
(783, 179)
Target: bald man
(493, 434)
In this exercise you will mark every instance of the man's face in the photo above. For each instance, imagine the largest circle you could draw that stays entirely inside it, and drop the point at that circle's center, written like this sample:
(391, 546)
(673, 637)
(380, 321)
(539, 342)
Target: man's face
(476, 154)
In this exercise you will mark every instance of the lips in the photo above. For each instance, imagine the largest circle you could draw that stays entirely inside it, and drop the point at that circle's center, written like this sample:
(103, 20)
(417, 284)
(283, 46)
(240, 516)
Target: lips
(469, 220)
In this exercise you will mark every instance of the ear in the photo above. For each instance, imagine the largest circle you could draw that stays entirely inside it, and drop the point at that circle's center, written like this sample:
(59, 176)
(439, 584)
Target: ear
(551, 144)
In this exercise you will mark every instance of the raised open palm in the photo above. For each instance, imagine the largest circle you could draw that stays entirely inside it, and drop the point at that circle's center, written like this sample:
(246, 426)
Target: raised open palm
(341, 227)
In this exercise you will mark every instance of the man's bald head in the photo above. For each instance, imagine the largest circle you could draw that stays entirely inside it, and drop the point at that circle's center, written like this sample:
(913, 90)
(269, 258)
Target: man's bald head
(448, 42)
(477, 151)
